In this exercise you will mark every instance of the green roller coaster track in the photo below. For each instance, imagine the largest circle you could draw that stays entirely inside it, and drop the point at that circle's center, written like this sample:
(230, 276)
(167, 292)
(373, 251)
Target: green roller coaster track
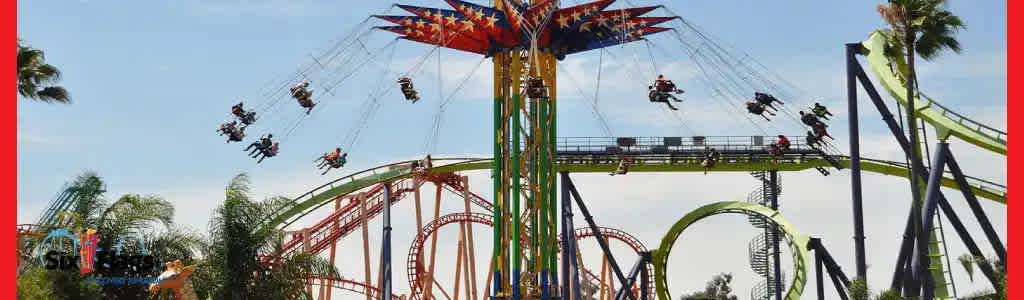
(797, 242)
(946, 121)
(322, 195)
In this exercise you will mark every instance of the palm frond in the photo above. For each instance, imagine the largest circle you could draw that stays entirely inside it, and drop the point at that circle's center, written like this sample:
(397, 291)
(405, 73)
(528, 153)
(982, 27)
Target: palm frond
(132, 213)
(53, 94)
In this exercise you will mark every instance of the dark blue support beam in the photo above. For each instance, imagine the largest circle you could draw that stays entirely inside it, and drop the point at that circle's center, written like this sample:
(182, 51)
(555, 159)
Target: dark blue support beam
(567, 183)
(818, 275)
(570, 264)
(645, 283)
(824, 260)
(385, 251)
(909, 234)
(631, 278)
(979, 213)
(773, 186)
(965, 236)
(855, 183)
(921, 260)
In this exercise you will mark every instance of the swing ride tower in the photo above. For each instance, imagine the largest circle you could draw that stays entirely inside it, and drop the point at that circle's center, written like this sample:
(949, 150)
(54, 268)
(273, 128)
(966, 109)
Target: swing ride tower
(525, 40)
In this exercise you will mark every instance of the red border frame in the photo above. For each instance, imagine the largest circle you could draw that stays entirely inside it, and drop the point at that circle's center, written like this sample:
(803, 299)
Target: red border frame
(10, 107)
(1014, 163)
(10, 154)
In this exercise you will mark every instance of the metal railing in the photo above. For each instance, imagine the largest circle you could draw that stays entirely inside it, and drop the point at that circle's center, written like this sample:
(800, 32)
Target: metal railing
(969, 123)
(669, 145)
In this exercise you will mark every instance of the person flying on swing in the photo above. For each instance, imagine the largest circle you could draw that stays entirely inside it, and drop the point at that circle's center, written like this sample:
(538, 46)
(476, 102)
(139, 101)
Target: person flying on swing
(666, 88)
(810, 119)
(258, 146)
(782, 142)
(812, 139)
(337, 163)
(535, 88)
(267, 152)
(326, 159)
(758, 109)
(302, 94)
(820, 111)
(710, 159)
(820, 132)
(654, 96)
(408, 90)
(234, 133)
(247, 118)
(766, 100)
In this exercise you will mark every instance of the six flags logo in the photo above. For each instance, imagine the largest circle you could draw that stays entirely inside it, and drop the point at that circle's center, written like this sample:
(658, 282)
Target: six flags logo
(66, 251)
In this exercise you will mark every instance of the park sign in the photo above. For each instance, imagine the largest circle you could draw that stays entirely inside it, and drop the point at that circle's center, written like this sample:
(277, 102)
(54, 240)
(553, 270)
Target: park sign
(120, 264)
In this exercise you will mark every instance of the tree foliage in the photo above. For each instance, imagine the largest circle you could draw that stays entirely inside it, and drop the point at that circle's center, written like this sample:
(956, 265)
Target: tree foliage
(235, 266)
(36, 78)
(718, 288)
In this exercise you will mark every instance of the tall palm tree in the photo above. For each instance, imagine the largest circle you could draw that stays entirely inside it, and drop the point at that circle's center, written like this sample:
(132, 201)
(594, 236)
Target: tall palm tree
(234, 266)
(925, 28)
(149, 216)
(919, 27)
(36, 77)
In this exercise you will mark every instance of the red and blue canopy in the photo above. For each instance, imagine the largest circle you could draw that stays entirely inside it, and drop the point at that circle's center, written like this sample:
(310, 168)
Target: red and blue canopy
(510, 24)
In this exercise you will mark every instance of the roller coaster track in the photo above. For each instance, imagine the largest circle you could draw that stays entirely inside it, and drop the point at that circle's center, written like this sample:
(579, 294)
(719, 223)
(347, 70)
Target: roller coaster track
(416, 268)
(590, 163)
(946, 121)
(797, 243)
(350, 285)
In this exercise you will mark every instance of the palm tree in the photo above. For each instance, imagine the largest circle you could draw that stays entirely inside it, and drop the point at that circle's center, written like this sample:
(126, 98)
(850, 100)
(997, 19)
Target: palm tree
(719, 288)
(925, 28)
(129, 214)
(919, 27)
(35, 77)
(234, 265)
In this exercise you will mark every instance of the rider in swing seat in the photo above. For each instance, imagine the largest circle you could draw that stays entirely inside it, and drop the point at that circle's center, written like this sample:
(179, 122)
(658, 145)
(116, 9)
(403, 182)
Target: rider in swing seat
(766, 100)
(758, 109)
(820, 132)
(810, 119)
(812, 139)
(710, 159)
(302, 94)
(821, 111)
(408, 90)
(267, 152)
(783, 143)
(258, 146)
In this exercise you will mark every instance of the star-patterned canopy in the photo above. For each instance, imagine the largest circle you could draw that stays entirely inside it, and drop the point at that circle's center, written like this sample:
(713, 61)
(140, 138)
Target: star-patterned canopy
(510, 24)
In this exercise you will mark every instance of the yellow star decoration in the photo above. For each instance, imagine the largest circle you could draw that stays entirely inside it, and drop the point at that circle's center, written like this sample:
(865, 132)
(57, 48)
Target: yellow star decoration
(576, 16)
(451, 19)
(491, 20)
(601, 19)
(420, 24)
(563, 21)
(478, 14)
(467, 25)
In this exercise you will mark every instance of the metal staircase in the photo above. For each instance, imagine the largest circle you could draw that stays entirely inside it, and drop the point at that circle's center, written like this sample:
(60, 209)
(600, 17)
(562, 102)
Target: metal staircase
(760, 248)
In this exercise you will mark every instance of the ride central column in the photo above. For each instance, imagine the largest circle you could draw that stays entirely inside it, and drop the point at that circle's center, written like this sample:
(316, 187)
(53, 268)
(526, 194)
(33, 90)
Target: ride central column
(524, 170)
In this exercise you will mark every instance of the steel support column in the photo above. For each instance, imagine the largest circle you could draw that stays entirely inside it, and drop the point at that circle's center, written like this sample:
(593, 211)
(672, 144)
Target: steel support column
(773, 185)
(385, 250)
(567, 183)
(979, 213)
(855, 175)
(921, 259)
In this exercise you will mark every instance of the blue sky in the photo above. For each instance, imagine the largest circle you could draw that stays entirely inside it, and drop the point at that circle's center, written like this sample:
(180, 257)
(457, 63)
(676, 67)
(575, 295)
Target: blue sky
(151, 80)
